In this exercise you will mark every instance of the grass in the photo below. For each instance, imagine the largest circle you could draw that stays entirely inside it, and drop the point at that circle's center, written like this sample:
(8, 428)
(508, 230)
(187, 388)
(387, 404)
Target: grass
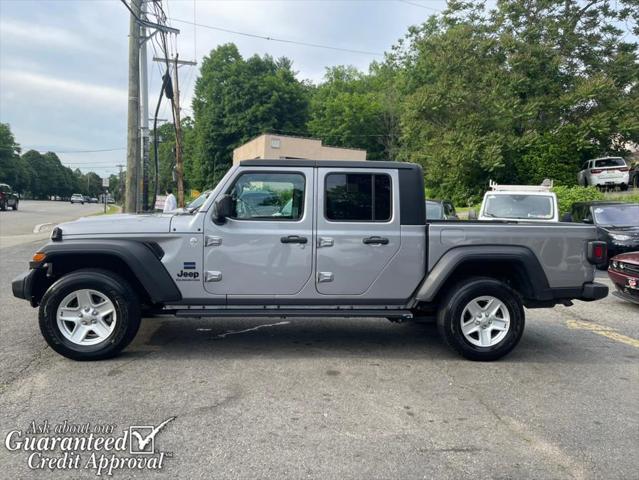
(621, 197)
(111, 209)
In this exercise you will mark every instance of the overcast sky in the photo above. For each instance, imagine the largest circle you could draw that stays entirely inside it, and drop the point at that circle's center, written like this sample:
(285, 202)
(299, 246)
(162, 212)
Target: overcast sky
(63, 63)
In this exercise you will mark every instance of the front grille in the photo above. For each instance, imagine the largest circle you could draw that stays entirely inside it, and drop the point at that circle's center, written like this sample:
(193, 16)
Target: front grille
(628, 268)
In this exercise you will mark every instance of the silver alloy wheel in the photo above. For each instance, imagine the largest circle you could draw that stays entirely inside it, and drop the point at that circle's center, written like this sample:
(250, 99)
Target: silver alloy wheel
(485, 321)
(86, 317)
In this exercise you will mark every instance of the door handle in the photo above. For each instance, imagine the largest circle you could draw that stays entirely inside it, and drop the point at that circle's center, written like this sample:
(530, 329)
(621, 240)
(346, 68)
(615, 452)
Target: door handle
(294, 239)
(375, 241)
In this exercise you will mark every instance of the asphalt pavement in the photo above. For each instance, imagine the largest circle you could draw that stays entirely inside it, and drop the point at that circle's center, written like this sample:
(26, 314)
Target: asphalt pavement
(339, 398)
(18, 226)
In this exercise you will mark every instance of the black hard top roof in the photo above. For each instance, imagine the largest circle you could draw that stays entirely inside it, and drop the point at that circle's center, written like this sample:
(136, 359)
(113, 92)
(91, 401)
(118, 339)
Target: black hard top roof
(600, 202)
(328, 163)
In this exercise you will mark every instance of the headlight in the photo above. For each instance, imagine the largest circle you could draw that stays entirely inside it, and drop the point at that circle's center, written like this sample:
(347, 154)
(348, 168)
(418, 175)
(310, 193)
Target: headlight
(619, 237)
(615, 264)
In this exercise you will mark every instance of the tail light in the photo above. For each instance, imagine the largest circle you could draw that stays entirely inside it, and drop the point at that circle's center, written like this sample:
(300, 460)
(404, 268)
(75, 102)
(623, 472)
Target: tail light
(597, 252)
(624, 169)
(595, 171)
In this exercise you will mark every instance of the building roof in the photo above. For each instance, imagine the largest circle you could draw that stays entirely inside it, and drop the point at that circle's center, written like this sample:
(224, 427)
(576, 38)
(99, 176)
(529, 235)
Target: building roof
(329, 164)
(298, 137)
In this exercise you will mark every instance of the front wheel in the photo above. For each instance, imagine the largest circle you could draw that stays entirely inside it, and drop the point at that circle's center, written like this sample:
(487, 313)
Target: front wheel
(89, 315)
(482, 319)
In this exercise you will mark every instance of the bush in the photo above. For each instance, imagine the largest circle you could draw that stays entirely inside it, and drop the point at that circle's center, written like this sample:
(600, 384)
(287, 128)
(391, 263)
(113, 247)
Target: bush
(566, 196)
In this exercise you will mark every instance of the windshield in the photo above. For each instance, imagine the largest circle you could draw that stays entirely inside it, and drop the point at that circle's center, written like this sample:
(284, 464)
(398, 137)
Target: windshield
(618, 215)
(525, 207)
(610, 162)
(199, 201)
(434, 211)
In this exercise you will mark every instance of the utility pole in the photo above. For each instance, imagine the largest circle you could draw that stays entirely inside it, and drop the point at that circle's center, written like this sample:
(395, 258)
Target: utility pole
(135, 184)
(179, 165)
(120, 183)
(133, 117)
(143, 202)
(179, 170)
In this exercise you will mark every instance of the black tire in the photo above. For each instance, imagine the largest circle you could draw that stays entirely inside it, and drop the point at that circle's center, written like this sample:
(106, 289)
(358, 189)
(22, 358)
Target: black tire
(623, 187)
(3, 206)
(123, 297)
(449, 318)
(15, 206)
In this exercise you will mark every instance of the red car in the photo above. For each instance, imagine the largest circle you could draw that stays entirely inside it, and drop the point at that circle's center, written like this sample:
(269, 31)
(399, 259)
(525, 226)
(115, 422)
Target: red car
(624, 273)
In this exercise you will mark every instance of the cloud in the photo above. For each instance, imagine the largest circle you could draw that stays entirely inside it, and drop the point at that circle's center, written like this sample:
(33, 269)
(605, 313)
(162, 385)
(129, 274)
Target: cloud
(28, 86)
(45, 37)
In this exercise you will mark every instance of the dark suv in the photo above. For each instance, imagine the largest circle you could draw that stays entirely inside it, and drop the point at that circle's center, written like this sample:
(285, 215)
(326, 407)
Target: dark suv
(7, 197)
(633, 179)
(617, 223)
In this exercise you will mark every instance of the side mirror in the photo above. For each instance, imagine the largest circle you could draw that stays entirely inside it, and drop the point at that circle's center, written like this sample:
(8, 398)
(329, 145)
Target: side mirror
(222, 209)
(566, 217)
(472, 214)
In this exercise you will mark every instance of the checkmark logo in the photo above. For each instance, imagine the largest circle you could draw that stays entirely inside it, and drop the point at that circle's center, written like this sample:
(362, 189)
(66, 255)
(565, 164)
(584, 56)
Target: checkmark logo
(142, 438)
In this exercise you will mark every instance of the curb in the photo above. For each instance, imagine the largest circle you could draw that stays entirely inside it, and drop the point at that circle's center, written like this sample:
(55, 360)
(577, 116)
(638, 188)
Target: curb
(38, 228)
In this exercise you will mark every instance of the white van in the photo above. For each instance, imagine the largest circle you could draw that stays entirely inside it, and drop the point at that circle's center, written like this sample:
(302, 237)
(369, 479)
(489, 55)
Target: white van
(532, 203)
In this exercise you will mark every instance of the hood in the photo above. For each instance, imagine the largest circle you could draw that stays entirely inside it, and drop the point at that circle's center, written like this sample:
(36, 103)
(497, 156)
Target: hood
(630, 257)
(619, 230)
(123, 223)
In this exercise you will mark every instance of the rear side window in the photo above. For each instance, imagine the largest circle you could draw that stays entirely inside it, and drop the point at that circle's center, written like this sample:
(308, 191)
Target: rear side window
(610, 162)
(358, 197)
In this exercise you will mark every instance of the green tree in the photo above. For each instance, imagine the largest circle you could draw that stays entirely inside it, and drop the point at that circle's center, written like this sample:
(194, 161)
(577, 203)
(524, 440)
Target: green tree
(13, 170)
(347, 110)
(237, 99)
(526, 91)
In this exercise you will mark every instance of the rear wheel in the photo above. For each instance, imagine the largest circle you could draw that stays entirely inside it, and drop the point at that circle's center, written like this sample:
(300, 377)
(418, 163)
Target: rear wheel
(89, 315)
(3, 206)
(482, 319)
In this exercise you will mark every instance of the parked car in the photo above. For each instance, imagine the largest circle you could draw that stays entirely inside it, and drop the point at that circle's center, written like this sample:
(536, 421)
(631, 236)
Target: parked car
(355, 243)
(77, 198)
(440, 210)
(624, 273)
(608, 172)
(532, 203)
(8, 198)
(617, 223)
(93, 200)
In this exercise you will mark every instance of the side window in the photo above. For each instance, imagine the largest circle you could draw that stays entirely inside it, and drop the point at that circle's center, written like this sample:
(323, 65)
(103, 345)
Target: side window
(268, 196)
(449, 209)
(358, 197)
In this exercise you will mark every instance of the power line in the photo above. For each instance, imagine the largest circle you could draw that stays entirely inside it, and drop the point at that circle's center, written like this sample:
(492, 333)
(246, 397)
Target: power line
(415, 4)
(281, 40)
(115, 149)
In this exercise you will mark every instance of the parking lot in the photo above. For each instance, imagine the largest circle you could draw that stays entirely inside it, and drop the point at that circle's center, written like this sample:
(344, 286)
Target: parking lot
(338, 398)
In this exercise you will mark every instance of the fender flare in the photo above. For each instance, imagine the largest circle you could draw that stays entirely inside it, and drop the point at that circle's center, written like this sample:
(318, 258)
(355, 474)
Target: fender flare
(523, 257)
(142, 258)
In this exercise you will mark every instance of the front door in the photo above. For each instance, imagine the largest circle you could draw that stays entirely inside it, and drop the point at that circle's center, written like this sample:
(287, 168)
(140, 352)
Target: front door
(358, 228)
(265, 248)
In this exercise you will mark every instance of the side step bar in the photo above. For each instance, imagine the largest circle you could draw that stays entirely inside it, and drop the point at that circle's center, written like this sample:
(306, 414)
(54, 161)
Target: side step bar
(299, 312)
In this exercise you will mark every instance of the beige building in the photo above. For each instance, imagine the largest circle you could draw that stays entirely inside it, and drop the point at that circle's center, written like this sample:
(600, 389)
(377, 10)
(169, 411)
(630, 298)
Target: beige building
(273, 146)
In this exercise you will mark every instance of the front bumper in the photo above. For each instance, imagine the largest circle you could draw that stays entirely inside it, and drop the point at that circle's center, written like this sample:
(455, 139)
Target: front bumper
(622, 284)
(22, 285)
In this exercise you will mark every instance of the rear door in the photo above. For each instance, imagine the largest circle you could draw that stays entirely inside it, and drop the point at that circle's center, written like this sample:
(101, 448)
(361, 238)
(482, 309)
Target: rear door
(358, 228)
(265, 248)
(610, 170)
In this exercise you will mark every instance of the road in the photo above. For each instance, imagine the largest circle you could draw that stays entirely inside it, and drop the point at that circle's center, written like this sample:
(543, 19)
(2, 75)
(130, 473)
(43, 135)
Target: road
(17, 227)
(341, 398)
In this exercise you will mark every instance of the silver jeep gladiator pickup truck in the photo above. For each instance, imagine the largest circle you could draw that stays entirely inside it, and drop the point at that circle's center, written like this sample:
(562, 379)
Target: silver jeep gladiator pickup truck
(302, 238)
